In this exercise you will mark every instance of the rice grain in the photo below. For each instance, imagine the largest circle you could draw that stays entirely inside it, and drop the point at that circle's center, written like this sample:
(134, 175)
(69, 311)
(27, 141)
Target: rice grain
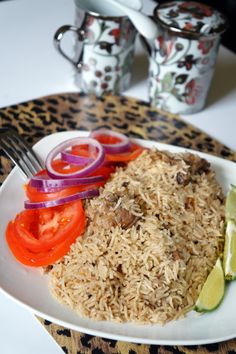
(151, 240)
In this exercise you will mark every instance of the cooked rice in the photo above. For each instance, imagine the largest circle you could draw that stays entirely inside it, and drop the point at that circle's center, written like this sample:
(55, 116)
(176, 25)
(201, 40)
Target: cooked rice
(153, 235)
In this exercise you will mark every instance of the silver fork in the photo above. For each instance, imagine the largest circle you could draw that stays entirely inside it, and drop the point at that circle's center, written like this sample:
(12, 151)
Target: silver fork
(19, 152)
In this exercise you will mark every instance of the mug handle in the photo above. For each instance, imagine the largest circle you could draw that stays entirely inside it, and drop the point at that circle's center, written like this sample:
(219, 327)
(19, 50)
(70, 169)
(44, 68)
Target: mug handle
(58, 36)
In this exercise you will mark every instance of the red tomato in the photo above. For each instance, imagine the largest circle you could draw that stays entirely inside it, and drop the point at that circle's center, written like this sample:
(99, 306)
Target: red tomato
(43, 228)
(86, 151)
(34, 195)
(63, 167)
(107, 139)
(135, 151)
(41, 237)
(83, 150)
(104, 171)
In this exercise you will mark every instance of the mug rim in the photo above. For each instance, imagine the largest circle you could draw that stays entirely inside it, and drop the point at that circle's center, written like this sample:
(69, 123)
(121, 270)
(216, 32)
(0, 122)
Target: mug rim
(187, 34)
(103, 17)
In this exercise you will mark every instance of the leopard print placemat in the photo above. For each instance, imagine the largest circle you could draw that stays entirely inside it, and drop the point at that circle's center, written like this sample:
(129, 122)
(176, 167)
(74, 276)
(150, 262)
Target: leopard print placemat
(40, 117)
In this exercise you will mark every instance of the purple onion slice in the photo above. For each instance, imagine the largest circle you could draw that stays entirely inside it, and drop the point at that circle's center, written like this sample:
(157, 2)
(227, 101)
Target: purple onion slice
(120, 147)
(75, 159)
(97, 162)
(52, 203)
(49, 185)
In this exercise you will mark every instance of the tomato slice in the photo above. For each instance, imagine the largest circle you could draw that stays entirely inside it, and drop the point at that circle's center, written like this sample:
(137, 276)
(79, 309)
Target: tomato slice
(104, 171)
(83, 151)
(59, 166)
(42, 229)
(135, 151)
(35, 195)
(46, 243)
(63, 167)
(107, 139)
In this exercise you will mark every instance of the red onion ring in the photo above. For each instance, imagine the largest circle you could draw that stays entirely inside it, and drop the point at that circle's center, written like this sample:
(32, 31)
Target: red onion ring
(117, 148)
(75, 159)
(52, 203)
(46, 184)
(71, 142)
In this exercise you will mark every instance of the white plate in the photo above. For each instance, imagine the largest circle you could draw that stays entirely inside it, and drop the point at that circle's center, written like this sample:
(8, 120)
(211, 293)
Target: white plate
(29, 288)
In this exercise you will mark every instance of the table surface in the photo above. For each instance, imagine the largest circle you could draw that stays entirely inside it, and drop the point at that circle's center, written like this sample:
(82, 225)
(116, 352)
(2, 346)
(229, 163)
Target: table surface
(31, 67)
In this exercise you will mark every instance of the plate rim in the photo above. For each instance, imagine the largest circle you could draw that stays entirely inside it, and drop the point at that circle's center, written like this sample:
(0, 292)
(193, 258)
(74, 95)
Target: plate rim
(100, 333)
(116, 337)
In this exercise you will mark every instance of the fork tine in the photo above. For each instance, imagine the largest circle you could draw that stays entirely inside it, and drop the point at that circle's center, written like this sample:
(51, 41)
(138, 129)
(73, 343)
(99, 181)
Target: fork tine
(16, 158)
(19, 152)
(29, 152)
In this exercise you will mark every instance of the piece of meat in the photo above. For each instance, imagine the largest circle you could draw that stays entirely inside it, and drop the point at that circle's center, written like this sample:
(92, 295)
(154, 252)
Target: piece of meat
(124, 218)
(183, 178)
(189, 203)
(176, 255)
(167, 158)
(109, 217)
(111, 198)
(197, 164)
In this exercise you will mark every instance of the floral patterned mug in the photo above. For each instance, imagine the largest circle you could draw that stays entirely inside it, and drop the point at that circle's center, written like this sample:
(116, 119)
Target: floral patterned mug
(104, 48)
(183, 56)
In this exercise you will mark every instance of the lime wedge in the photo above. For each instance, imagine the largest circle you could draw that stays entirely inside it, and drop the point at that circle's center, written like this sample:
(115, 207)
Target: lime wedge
(213, 290)
(229, 262)
(230, 206)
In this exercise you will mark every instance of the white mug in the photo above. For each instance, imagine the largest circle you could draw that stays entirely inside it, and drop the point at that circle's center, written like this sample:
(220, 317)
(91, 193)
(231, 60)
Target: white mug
(182, 58)
(104, 48)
